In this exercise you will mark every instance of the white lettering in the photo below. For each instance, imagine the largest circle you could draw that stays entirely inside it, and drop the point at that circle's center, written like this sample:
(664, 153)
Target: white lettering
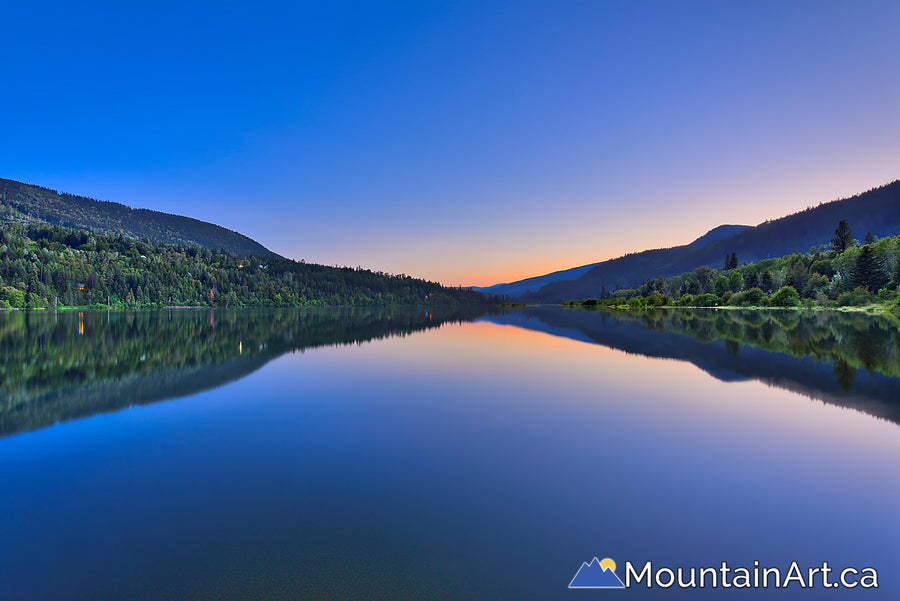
(725, 570)
(671, 576)
(692, 583)
(742, 574)
(794, 575)
(645, 573)
(844, 579)
(687, 578)
(870, 578)
(715, 577)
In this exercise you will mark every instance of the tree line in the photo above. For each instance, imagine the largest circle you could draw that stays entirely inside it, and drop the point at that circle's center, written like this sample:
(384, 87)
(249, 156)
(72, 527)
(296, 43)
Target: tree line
(45, 266)
(846, 273)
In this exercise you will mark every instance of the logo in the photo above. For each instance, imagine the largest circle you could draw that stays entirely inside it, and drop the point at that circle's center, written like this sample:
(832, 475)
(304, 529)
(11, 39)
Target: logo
(602, 574)
(597, 574)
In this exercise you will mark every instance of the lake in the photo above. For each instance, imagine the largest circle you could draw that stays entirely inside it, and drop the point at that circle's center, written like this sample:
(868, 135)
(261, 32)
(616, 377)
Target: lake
(454, 454)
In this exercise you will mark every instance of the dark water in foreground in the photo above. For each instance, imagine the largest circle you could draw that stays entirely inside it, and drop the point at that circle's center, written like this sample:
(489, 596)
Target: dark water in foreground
(339, 454)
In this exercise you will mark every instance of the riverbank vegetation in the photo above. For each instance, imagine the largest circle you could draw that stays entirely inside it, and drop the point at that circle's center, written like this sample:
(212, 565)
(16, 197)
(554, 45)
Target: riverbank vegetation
(846, 274)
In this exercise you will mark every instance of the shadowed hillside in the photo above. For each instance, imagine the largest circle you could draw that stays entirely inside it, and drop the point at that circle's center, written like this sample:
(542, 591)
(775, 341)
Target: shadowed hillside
(26, 203)
(877, 210)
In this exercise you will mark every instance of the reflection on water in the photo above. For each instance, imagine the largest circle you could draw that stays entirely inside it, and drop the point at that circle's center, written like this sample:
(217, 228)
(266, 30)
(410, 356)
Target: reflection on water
(59, 366)
(469, 461)
(847, 359)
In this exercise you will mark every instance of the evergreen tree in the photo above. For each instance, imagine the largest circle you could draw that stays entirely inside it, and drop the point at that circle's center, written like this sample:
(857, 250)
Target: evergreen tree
(751, 280)
(843, 237)
(868, 271)
(870, 238)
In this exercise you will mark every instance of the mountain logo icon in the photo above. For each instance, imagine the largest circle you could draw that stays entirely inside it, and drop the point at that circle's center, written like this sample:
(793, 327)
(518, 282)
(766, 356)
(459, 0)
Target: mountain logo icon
(597, 574)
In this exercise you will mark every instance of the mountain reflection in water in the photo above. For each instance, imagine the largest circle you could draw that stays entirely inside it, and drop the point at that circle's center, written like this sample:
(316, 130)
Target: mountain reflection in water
(57, 366)
(61, 366)
(845, 359)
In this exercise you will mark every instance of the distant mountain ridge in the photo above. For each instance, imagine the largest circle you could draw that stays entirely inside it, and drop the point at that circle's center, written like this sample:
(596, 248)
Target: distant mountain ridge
(877, 210)
(534, 283)
(30, 203)
(717, 233)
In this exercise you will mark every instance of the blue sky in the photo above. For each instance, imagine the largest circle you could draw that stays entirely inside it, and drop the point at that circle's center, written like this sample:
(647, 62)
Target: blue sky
(464, 142)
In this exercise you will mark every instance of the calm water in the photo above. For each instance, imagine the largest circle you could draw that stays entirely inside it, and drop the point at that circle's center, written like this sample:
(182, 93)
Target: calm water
(343, 454)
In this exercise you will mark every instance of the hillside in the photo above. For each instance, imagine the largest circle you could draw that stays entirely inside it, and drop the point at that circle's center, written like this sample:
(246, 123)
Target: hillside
(528, 284)
(533, 284)
(877, 210)
(27, 203)
(47, 265)
(717, 233)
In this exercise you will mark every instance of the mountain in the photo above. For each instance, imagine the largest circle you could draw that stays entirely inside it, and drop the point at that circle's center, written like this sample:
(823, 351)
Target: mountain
(877, 210)
(717, 233)
(44, 265)
(28, 203)
(520, 287)
(534, 283)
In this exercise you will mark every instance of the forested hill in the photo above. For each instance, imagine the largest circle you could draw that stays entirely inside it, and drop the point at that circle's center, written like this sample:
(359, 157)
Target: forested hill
(27, 203)
(46, 266)
(877, 210)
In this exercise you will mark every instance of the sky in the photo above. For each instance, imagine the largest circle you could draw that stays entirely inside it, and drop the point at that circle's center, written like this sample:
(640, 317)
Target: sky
(469, 143)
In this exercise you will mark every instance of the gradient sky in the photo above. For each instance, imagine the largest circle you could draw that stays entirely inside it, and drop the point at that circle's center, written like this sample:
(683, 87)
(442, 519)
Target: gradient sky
(464, 142)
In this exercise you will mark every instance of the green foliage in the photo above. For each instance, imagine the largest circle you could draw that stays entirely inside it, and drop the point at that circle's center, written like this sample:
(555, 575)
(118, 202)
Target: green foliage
(868, 271)
(26, 203)
(819, 278)
(706, 300)
(731, 261)
(721, 285)
(843, 237)
(12, 297)
(46, 265)
(822, 267)
(787, 296)
(735, 281)
(874, 210)
(857, 297)
(656, 300)
(749, 298)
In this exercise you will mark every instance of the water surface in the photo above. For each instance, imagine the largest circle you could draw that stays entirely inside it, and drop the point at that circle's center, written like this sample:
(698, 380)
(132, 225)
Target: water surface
(409, 455)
